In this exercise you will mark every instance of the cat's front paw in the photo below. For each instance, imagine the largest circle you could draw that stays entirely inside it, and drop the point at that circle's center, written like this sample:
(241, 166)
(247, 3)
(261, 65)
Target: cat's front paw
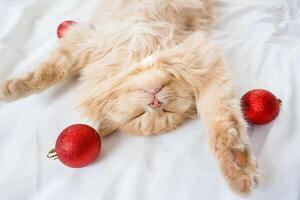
(9, 90)
(5, 90)
(240, 170)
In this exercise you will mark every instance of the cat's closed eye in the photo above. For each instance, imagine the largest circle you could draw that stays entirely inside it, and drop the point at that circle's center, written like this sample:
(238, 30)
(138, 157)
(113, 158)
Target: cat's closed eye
(137, 116)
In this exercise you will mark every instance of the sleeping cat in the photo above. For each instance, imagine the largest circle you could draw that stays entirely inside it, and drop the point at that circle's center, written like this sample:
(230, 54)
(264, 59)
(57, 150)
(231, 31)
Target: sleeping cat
(146, 66)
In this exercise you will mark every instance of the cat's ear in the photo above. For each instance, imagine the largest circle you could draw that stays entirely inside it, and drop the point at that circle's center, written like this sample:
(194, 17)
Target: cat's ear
(192, 60)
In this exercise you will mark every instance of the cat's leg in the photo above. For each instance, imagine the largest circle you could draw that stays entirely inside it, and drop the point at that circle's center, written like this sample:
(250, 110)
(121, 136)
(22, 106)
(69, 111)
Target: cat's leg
(222, 115)
(67, 60)
(198, 62)
(55, 69)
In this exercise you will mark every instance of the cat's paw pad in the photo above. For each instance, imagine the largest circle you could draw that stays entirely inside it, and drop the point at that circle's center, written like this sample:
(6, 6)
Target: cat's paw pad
(240, 170)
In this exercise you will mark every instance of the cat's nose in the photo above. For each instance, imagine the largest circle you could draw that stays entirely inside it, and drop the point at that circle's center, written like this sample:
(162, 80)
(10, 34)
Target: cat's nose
(155, 103)
(153, 91)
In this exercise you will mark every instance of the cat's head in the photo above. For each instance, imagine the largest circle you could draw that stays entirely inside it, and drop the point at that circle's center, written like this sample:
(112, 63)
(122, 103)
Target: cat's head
(152, 96)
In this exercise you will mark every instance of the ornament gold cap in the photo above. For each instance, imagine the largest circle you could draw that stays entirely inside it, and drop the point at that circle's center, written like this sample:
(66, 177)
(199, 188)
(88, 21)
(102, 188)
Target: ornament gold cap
(280, 102)
(52, 155)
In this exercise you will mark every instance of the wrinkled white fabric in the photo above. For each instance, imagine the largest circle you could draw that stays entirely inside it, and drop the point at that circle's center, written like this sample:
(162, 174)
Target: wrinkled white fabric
(261, 42)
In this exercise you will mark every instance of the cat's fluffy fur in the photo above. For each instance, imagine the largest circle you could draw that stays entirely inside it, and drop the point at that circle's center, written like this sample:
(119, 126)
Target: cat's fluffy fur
(133, 46)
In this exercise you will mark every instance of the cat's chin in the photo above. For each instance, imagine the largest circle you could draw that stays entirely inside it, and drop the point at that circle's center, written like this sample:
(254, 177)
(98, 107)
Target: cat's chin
(145, 133)
(133, 131)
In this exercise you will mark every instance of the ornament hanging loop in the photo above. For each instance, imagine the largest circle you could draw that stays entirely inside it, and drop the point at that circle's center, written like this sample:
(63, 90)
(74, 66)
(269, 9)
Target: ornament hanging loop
(52, 155)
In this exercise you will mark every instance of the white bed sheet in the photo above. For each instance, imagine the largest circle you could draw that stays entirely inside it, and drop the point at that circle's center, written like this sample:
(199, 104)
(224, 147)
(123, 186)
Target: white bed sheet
(259, 38)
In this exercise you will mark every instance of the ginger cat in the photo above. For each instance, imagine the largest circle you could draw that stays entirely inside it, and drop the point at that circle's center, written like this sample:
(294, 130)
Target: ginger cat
(145, 66)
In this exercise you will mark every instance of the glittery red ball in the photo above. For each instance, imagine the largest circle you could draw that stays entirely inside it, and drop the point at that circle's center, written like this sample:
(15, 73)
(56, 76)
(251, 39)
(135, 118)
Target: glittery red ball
(260, 106)
(63, 27)
(78, 145)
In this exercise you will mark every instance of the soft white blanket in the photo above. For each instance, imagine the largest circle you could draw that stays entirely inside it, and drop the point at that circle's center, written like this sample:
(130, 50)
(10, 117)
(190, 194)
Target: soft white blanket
(259, 38)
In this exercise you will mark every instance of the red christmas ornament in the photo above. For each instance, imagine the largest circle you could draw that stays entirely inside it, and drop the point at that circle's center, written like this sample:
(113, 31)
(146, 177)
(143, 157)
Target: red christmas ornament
(77, 146)
(63, 27)
(260, 106)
